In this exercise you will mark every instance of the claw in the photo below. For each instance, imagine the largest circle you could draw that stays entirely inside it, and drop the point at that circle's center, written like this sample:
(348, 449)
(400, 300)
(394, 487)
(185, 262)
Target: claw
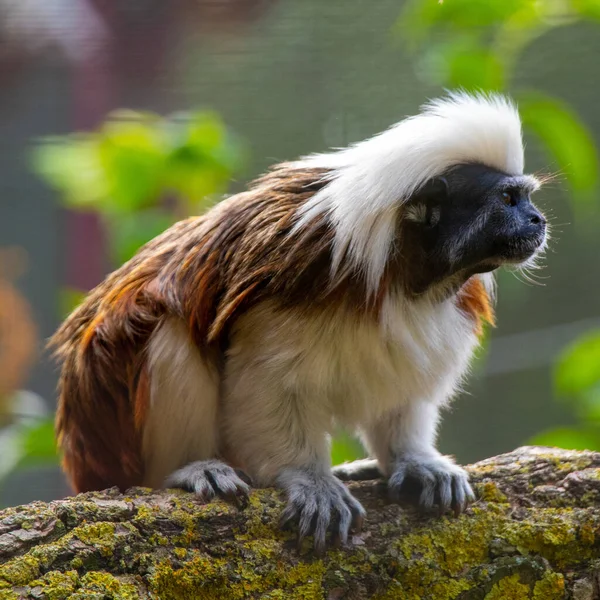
(210, 478)
(288, 516)
(445, 492)
(344, 524)
(323, 519)
(459, 500)
(359, 522)
(239, 498)
(428, 492)
(319, 504)
(439, 478)
(395, 484)
(470, 494)
(306, 518)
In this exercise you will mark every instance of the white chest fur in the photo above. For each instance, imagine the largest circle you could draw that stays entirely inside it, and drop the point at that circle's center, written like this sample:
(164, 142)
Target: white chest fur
(355, 369)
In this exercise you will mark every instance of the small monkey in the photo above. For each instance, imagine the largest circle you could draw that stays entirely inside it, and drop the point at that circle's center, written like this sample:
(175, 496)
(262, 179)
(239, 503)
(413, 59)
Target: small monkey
(347, 288)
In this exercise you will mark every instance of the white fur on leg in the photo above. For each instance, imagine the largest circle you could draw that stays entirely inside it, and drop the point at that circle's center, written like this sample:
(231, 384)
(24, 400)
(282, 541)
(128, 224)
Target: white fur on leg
(182, 423)
(410, 429)
(268, 427)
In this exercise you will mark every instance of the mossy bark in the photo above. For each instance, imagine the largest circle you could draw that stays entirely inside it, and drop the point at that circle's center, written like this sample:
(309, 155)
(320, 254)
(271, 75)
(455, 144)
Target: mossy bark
(534, 532)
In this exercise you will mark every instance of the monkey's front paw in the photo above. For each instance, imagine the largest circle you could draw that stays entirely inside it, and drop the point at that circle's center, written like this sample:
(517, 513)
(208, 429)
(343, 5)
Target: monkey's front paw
(319, 503)
(210, 478)
(440, 479)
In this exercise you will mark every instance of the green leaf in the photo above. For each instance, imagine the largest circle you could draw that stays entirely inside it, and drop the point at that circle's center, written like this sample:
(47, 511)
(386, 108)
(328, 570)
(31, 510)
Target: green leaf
(588, 404)
(587, 8)
(344, 448)
(206, 130)
(38, 444)
(204, 160)
(137, 158)
(69, 299)
(195, 174)
(566, 139)
(473, 68)
(571, 439)
(132, 155)
(578, 368)
(420, 17)
(462, 62)
(133, 162)
(129, 232)
(71, 165)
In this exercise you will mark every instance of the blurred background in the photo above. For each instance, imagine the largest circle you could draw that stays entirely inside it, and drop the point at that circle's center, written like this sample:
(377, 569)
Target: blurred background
(118, 117)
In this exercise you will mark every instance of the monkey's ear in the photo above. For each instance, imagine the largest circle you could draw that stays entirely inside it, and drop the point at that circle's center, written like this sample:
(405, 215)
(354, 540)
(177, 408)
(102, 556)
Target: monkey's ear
(435, 189)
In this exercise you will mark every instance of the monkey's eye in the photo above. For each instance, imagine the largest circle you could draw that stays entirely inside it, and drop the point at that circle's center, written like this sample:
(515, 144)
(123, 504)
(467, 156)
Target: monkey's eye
(508, 199)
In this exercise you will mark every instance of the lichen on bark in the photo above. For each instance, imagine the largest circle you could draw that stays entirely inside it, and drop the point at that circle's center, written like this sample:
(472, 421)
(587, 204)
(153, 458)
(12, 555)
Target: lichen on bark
(533, 533)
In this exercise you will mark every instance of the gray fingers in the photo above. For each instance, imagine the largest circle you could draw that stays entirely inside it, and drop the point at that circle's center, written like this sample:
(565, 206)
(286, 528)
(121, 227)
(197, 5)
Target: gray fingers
(440, 479)
(319, 503)
(209, 479)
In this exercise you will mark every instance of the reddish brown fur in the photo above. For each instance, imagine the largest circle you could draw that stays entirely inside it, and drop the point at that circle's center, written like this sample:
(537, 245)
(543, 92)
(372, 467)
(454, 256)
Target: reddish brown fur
(205, 270)
(474, 300)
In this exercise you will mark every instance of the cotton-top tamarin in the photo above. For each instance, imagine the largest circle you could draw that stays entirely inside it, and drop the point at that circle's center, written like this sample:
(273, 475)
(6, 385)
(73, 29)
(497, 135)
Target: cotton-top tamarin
(348, 288)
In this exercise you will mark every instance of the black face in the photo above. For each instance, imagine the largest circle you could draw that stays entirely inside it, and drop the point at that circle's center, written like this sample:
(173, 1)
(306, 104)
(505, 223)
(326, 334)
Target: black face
(472, 220)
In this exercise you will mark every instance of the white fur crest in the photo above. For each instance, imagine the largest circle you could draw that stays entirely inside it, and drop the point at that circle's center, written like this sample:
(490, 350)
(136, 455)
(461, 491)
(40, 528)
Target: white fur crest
(373, 178)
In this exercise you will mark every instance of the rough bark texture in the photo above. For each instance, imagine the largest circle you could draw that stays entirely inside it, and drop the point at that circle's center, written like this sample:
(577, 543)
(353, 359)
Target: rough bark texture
(533, 533)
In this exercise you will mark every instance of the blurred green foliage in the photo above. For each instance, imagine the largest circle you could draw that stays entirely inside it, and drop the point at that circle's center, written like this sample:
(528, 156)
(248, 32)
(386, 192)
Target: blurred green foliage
(345, 448)
(26, 434)
(577, 383)
(141, 172)
(37, 444)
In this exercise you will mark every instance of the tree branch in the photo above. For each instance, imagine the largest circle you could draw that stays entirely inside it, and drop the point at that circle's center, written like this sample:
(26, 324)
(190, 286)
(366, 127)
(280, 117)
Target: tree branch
(533, 533)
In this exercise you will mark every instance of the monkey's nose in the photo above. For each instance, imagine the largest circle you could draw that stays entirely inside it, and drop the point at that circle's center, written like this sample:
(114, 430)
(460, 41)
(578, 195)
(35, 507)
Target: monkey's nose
(536, 218)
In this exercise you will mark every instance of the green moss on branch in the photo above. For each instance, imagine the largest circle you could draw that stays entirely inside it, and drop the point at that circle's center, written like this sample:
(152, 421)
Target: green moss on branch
(534, 533)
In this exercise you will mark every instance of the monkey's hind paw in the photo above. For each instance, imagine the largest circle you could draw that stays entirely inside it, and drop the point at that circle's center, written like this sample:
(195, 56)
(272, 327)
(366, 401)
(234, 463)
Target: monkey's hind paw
(440, 479)
(363, 469)
(209, 479)
(318, 504)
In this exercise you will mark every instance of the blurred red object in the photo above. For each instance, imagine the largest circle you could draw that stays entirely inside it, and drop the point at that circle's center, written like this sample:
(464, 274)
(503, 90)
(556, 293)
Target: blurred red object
(17, 330)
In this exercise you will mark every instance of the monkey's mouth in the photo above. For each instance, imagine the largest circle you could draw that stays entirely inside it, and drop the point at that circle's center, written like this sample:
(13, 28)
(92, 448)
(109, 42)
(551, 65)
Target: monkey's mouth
(519, 249)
